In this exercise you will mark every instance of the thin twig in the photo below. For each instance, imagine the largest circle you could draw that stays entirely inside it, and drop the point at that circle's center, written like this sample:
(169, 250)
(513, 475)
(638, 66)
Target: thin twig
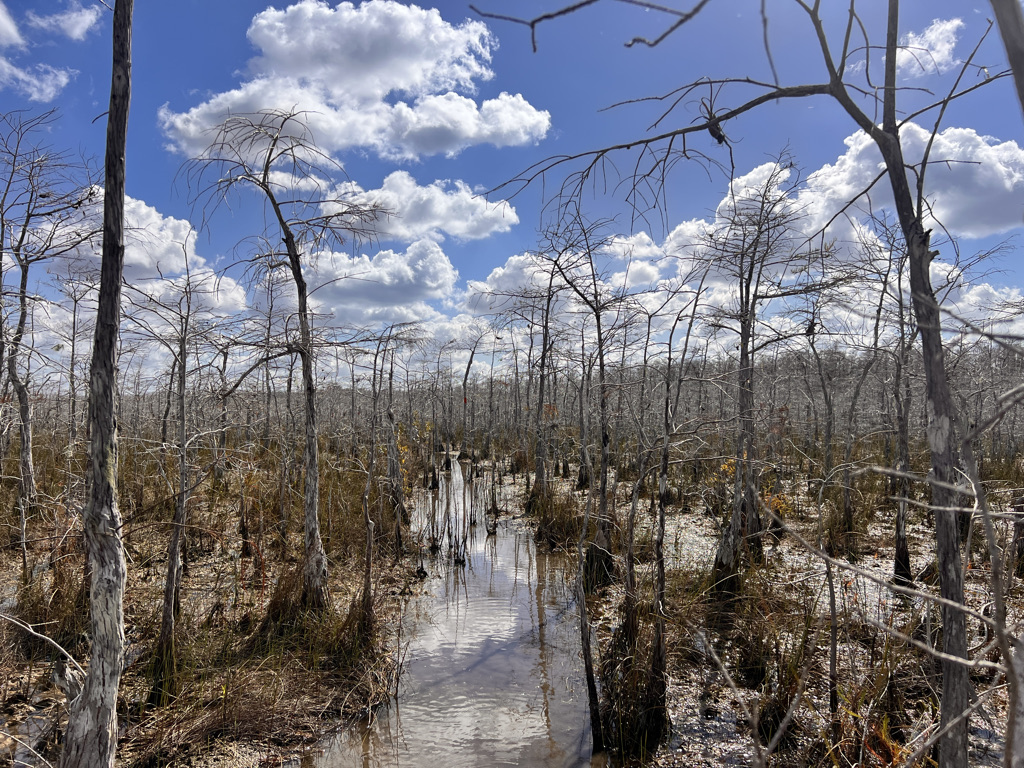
(49, 640)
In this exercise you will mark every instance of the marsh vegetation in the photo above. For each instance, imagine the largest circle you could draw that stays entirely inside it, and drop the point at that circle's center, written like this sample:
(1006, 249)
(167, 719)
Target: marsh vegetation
(769, 511)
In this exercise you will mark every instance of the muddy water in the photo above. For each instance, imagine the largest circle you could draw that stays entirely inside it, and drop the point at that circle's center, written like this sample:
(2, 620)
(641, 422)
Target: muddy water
(491, 673)
(18, 743)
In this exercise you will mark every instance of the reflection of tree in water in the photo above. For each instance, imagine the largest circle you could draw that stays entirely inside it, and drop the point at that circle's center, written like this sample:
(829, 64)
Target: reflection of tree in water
(491, 669)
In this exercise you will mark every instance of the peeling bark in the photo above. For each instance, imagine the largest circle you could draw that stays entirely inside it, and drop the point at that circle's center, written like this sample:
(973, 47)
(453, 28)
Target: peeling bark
(91, 738)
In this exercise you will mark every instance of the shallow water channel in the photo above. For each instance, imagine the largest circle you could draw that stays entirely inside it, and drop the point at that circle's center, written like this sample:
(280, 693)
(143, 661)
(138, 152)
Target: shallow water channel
(491, 673)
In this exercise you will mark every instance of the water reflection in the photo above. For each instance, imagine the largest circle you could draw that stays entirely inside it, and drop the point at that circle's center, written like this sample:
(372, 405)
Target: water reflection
(492, 675)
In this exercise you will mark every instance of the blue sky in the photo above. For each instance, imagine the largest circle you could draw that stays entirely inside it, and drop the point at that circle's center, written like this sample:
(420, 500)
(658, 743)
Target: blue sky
(425, 109)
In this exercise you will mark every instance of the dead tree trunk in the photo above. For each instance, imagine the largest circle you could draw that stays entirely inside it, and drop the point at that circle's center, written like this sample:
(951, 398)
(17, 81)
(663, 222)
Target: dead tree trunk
(27, 475)
(956, 685)
(593, 699)
(91, 738)
(314, 570)
(165, 682)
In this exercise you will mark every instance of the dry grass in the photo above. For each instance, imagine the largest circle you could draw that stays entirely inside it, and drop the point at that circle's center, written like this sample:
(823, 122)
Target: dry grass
(256, 672)
(272, 684)
(271, 692)
(773, 642)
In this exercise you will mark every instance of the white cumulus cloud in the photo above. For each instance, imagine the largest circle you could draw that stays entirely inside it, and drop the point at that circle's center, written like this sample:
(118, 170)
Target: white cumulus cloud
(975, 183)
(371, 50)
(75, 23)
(155, 245)
(636, 246)
(430, 212)
(40, 82)
(395, 79)
(931, 51)
(388, 287)
(521, 274)
(639, 275)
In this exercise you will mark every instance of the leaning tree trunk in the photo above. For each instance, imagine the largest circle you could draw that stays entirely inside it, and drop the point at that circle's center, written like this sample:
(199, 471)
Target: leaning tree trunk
(27, 472)
(593, 698)
(956, 686)
(467, 444)
(1011, 26)
(540, 488)
(26, 467)
(363, 608)
(395, 478)
(599, 563)
(91, 738)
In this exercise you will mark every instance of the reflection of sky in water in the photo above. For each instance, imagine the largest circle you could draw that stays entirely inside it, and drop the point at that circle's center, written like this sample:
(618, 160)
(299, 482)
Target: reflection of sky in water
(492, 674)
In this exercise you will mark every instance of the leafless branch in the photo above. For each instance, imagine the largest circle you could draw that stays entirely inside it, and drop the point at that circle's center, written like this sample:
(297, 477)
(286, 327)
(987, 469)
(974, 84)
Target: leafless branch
(49, 640)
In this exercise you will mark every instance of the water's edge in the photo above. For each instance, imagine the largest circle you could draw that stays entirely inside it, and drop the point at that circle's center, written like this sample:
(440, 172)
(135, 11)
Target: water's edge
(491, 671)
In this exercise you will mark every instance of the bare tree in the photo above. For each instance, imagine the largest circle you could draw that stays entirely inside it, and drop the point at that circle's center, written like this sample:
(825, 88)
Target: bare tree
(580, 242)
(273, 154)
(42, 193)
(169, 313)
(76, 285)
(830, 336)
(907, 184)
(91, 738)
(757, 250)
(539, 297)
(396, 477)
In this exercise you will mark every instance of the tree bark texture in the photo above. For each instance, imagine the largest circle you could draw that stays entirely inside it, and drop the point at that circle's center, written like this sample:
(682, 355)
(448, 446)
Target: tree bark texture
(1011, 27)
(745, 520)
(956, 684)
(941, 416)
(27, 474)
(901, 563)
(91, 738)
(314, 570)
